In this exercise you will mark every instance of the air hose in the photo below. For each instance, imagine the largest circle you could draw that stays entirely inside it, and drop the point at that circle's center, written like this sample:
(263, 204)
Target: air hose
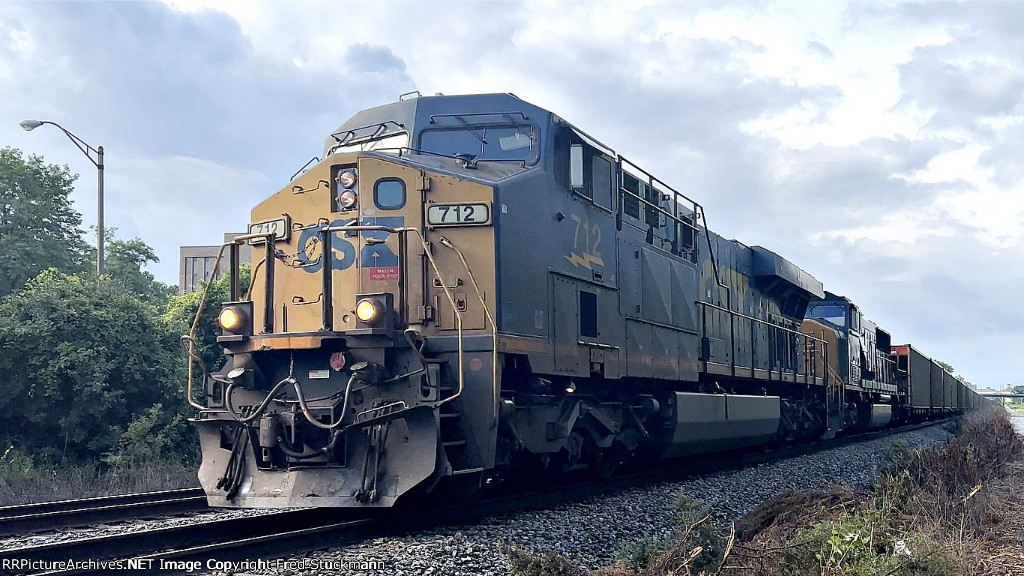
(282, 445)
(231, 481)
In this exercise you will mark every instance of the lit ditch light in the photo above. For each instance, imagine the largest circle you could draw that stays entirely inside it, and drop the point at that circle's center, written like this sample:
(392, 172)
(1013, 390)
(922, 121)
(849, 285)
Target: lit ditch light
(369, 311)
(374, 311)
(235, 318)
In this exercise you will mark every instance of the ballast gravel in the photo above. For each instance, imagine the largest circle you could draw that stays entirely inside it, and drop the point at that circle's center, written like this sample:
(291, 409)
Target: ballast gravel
(590, 533)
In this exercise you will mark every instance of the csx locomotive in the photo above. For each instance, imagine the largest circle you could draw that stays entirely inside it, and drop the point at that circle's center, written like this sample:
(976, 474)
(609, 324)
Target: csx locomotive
(467, 286)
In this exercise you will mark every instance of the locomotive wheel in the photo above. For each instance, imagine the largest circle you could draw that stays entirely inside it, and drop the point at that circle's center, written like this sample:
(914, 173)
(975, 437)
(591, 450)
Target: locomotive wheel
(605, 461)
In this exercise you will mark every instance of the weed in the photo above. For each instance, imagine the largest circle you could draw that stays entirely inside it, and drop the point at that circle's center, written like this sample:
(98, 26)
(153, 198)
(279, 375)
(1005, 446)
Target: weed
(635, 556)
(936, 511)
(547, 563)
(947, 482)
(796, 508)
(696, 548)
(23, 480)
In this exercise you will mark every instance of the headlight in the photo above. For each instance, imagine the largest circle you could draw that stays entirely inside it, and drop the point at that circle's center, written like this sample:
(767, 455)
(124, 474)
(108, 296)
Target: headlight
(347, 199)
(231, 318)
(368, 311)
(347, 178)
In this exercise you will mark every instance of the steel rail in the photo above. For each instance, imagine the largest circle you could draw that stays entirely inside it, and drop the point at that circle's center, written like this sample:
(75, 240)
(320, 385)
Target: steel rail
(136, 543)
(25, 518)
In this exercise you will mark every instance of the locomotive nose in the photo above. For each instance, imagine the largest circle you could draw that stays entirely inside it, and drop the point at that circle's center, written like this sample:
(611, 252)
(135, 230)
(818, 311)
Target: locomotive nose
(376, 464)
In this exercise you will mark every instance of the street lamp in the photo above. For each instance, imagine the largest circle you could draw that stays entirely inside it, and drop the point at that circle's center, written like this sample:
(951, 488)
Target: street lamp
(30, 125)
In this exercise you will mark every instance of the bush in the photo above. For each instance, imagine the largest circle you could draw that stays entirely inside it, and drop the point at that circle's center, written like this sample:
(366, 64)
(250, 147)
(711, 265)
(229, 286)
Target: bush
(636, 556)
(547, 563)
(797, 508)
(864, 544)
(938, 511)
(934, 512)
(947, 482)
(695, 548)
(81, 358)
(153, 438)
(699, 546)
(16, 471)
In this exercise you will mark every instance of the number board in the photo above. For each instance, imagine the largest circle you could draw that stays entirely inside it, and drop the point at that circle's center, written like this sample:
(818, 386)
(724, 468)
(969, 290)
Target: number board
(279, 227)
(459, 214)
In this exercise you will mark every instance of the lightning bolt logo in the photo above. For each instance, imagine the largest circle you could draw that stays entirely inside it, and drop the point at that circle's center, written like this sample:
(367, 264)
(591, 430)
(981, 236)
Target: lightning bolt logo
(586, 260)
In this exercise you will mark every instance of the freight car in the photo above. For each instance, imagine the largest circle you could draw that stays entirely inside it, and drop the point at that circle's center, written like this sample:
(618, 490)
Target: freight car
(933, 390)
(468, 285)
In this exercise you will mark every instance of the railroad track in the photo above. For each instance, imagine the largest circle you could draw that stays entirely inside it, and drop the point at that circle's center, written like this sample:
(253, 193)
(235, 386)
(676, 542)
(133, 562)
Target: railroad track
(28, 518)
(189, 548)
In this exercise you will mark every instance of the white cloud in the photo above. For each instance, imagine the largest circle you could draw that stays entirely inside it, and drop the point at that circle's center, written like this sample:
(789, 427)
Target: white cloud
(996, 213)
(951, 166)
(906, 228)
(172, 201)
(876, 144)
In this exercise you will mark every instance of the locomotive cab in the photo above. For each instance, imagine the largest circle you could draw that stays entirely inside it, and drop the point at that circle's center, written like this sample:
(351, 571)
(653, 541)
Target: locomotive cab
(862, 362)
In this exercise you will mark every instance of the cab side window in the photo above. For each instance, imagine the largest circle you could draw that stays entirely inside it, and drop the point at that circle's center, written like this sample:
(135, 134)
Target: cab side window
(601, 181)
(591, 174)
(631, 200)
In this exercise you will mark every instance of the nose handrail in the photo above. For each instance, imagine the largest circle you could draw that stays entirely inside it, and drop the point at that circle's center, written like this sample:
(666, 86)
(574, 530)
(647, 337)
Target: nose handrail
(325, 233)
(494, 327)
(189, 340)
(328, 313)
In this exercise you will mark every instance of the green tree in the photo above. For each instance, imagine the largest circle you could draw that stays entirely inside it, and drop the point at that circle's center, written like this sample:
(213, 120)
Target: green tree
(945, 366)
(38, 227)
(1018, 390)
(125, 260)
(81, 359)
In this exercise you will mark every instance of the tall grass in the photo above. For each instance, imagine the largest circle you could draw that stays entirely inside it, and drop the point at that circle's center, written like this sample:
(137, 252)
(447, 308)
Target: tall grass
(23, 481)
(949, 483)
(936, 511)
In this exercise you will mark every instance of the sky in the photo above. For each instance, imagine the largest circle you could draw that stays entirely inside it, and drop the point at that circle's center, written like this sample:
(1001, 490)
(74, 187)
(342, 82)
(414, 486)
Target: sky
(877, 145)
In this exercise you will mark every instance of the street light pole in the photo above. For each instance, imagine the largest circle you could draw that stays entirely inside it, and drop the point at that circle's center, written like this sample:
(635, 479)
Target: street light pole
(99, 211)
(30, 125)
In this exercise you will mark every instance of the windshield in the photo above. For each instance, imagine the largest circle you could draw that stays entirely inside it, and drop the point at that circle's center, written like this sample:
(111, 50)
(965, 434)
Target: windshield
(831, 313)
(485, 142)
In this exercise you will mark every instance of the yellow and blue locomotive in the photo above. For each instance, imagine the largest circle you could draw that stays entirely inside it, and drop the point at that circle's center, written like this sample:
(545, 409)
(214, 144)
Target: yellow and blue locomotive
(466, 285)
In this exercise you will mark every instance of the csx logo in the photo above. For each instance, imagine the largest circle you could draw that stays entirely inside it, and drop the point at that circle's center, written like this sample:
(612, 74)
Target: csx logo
(343, 256)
